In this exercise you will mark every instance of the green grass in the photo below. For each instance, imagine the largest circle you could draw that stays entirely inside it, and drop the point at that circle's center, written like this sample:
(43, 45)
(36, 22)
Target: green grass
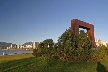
(14, 57)
(42, 64)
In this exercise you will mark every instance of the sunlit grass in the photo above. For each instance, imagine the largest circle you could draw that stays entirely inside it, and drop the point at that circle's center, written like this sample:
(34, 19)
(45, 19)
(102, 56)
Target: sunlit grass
(13, 57)
(28, 63)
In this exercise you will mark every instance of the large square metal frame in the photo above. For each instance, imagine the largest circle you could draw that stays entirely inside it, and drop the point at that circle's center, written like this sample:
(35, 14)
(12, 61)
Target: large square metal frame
(76, 24)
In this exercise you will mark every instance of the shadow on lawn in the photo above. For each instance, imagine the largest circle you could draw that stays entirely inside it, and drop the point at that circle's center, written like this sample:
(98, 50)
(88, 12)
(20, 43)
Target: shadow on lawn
(100, 67)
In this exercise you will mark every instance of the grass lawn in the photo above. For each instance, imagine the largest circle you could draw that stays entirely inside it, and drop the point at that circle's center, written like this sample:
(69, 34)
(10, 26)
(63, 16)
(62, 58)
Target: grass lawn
(14, 57)
(28, 63)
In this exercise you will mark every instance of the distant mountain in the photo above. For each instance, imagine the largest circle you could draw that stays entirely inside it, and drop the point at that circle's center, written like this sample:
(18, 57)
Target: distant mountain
(5, 44)
(27, 43)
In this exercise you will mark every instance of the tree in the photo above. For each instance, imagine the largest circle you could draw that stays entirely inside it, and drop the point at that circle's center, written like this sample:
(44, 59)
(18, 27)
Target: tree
(69, 47)
(44, 48)
(65, 43)
(84, 46)
(73, 47)
(83, 40)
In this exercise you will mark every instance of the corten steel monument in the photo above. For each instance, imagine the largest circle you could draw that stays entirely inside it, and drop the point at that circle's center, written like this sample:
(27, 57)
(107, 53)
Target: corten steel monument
(76, 24)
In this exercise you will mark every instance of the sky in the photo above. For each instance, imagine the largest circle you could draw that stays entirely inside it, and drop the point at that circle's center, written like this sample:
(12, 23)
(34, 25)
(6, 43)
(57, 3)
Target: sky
(36, 20)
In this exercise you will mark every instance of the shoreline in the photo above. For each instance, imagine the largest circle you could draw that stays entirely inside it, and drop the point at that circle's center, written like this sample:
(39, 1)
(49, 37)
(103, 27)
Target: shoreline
(15, 54)
(18, 49)
(14, 51)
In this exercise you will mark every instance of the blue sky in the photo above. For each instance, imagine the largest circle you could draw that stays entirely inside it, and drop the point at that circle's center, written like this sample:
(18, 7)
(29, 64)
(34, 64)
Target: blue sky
(36, 20)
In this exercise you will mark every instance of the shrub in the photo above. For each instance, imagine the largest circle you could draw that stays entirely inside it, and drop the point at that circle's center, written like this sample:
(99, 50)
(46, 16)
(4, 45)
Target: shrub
(45, 48)
(36, 53)
(71, 48)
(98, 55)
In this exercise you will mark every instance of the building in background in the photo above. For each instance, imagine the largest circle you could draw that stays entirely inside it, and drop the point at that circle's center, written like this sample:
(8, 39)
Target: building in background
(37, 43)
(17, 46)
(4, 45)
(31, 45)
(34, 45)
(11, 46)
(14, 46)
(105, 43)
(99, 42)
(27, 43)
(21, 46)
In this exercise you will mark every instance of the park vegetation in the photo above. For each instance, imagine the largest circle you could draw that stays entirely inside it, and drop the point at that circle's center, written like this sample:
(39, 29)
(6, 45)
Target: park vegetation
(29, 63)
(70, 54)
(71, 48)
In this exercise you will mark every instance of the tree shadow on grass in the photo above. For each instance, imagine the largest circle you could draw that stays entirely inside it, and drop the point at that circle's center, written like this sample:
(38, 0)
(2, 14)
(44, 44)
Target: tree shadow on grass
(100, 67)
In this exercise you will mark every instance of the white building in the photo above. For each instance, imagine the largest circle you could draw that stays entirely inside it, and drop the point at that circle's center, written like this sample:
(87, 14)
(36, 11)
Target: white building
(105, 43)
(99, 42)
(34, 45)
(11, 46)
(18, 47)
(28, 46)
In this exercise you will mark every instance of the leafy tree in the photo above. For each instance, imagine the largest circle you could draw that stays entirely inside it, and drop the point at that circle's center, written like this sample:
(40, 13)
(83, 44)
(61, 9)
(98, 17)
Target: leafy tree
(98, 55)
(84, 46)
(72, 47)
(83, 40)
(44, 48)
(66, 43)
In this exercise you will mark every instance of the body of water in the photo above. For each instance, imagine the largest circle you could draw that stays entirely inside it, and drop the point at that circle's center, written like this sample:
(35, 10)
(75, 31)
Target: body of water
(15, 51)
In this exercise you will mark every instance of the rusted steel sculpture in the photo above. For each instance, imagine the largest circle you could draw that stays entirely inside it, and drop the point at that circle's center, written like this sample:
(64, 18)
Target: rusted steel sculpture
(76, 24)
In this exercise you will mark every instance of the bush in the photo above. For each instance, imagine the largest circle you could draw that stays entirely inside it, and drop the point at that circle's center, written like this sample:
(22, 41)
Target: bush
(36, 53)
(45, 48)
(71, 48)
(98, 55)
